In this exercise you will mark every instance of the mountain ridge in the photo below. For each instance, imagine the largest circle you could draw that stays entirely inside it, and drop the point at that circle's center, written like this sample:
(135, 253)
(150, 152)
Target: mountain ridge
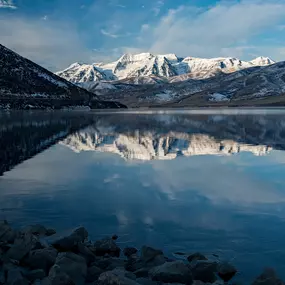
(164, 66)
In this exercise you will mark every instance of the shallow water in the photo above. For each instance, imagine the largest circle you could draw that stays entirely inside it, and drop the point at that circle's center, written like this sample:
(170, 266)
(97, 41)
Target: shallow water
(185, 182)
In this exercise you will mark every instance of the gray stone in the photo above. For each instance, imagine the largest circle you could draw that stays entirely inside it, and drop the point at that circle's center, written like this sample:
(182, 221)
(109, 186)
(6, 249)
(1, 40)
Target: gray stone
(93, 273)
(57, 277)
(71, 242)
(21, 247)
(129, 251)
(7, 234)
(109, 263)
(226, 271)
(268, 277)
(15, 277)
(111, 278)
(142, 273)
(41, 258)
(73, 265)
(172, 272)
(149, 253)
(196, 256)
(37, 274)
(106, 246)
(124, 273)
(146, 281)
(84, 251)
(205, 271)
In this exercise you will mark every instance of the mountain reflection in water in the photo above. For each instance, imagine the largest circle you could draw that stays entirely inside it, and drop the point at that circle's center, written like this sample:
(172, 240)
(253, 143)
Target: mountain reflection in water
(209, 183)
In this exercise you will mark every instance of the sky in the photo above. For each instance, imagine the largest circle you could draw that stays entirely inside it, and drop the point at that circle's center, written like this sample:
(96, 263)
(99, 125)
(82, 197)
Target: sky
(57, 33)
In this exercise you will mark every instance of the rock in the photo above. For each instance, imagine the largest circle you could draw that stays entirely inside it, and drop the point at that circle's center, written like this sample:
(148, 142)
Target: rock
(122, 272)
(93, 273)
(129, 251)
(112, 263)
(35, 230)
(172, 272)
(21, 247)
(106, 246)
(205, 271)
(57, 277)
(73, 265)
(149, 253)
(37, 274)
(141, 273)
(268, 277)
(70, 242)
(111, 278)
(7, 234)
(50, 232)
(226, 271)
(115, 237)
(146, 281)
(41, 259)
(81, 232)
(196, 256)
(84, 251)
(15, 277)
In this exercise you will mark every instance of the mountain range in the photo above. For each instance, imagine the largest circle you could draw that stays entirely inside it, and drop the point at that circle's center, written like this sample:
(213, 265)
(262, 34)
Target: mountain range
(146, 80)
(24, 84)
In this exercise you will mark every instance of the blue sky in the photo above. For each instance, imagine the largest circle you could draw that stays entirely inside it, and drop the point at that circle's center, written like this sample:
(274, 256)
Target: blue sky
(56, 33)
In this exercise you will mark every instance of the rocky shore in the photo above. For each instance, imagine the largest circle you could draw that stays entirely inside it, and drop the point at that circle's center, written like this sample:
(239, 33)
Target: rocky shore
(28, 256)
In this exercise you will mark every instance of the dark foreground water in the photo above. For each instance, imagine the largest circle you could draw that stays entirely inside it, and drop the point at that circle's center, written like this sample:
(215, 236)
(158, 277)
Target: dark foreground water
(182, 182)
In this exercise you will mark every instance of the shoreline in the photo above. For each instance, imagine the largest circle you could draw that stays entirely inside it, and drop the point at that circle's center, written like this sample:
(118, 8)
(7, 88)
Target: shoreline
(28, 256)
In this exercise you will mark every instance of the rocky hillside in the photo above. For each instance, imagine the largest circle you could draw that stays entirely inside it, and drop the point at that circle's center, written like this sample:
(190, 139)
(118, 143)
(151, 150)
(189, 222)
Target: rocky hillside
(252, 86)
(26, 83)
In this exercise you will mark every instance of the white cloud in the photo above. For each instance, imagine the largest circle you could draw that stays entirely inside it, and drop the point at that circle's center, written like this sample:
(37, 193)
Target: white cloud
(157, 7)
(109, 34)
(226, 27)
(7, 4)
(52, 44)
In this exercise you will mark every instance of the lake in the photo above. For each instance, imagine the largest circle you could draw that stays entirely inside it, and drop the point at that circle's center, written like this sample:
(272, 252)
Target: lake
(208, 181)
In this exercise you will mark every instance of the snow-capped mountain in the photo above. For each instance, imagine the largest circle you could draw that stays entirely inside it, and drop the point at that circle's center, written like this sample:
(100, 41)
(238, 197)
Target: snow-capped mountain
(145, 65)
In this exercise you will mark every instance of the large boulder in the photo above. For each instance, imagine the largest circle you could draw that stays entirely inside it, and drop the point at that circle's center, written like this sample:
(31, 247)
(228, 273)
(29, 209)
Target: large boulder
(7, 234)
(106, 246)
(34, 275)
(172, 272)
(93, 273)
(22, 246)
(15, 277)
(205, 271)
(84, 251)
(70, 243)
(113, 278)
(73, 265)
(268, 277)
(226, 271)
(149, 253)
(41, 259)
(109, 263)
(57, 277)
(129, 251)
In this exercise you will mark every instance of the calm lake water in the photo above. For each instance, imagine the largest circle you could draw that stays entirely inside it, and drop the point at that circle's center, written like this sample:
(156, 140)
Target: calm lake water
(186, 182)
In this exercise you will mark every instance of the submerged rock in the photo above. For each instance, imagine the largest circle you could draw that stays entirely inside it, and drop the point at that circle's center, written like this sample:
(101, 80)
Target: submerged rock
(268, 277)
(172, 272)
(196, 256)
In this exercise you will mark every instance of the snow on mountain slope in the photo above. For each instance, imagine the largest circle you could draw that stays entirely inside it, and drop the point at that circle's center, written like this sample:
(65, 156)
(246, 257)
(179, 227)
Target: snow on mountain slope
(152, 146)
(138, 67)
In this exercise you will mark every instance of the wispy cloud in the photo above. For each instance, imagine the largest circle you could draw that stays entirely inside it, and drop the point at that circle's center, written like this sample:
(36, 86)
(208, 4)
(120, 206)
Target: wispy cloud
(7, 4)
(213, 31)
(157, 7)
(52, 44)
(109, 34)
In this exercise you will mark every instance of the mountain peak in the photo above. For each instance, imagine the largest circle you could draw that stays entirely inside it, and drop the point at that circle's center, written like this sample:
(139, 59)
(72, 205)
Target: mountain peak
(262, 61)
